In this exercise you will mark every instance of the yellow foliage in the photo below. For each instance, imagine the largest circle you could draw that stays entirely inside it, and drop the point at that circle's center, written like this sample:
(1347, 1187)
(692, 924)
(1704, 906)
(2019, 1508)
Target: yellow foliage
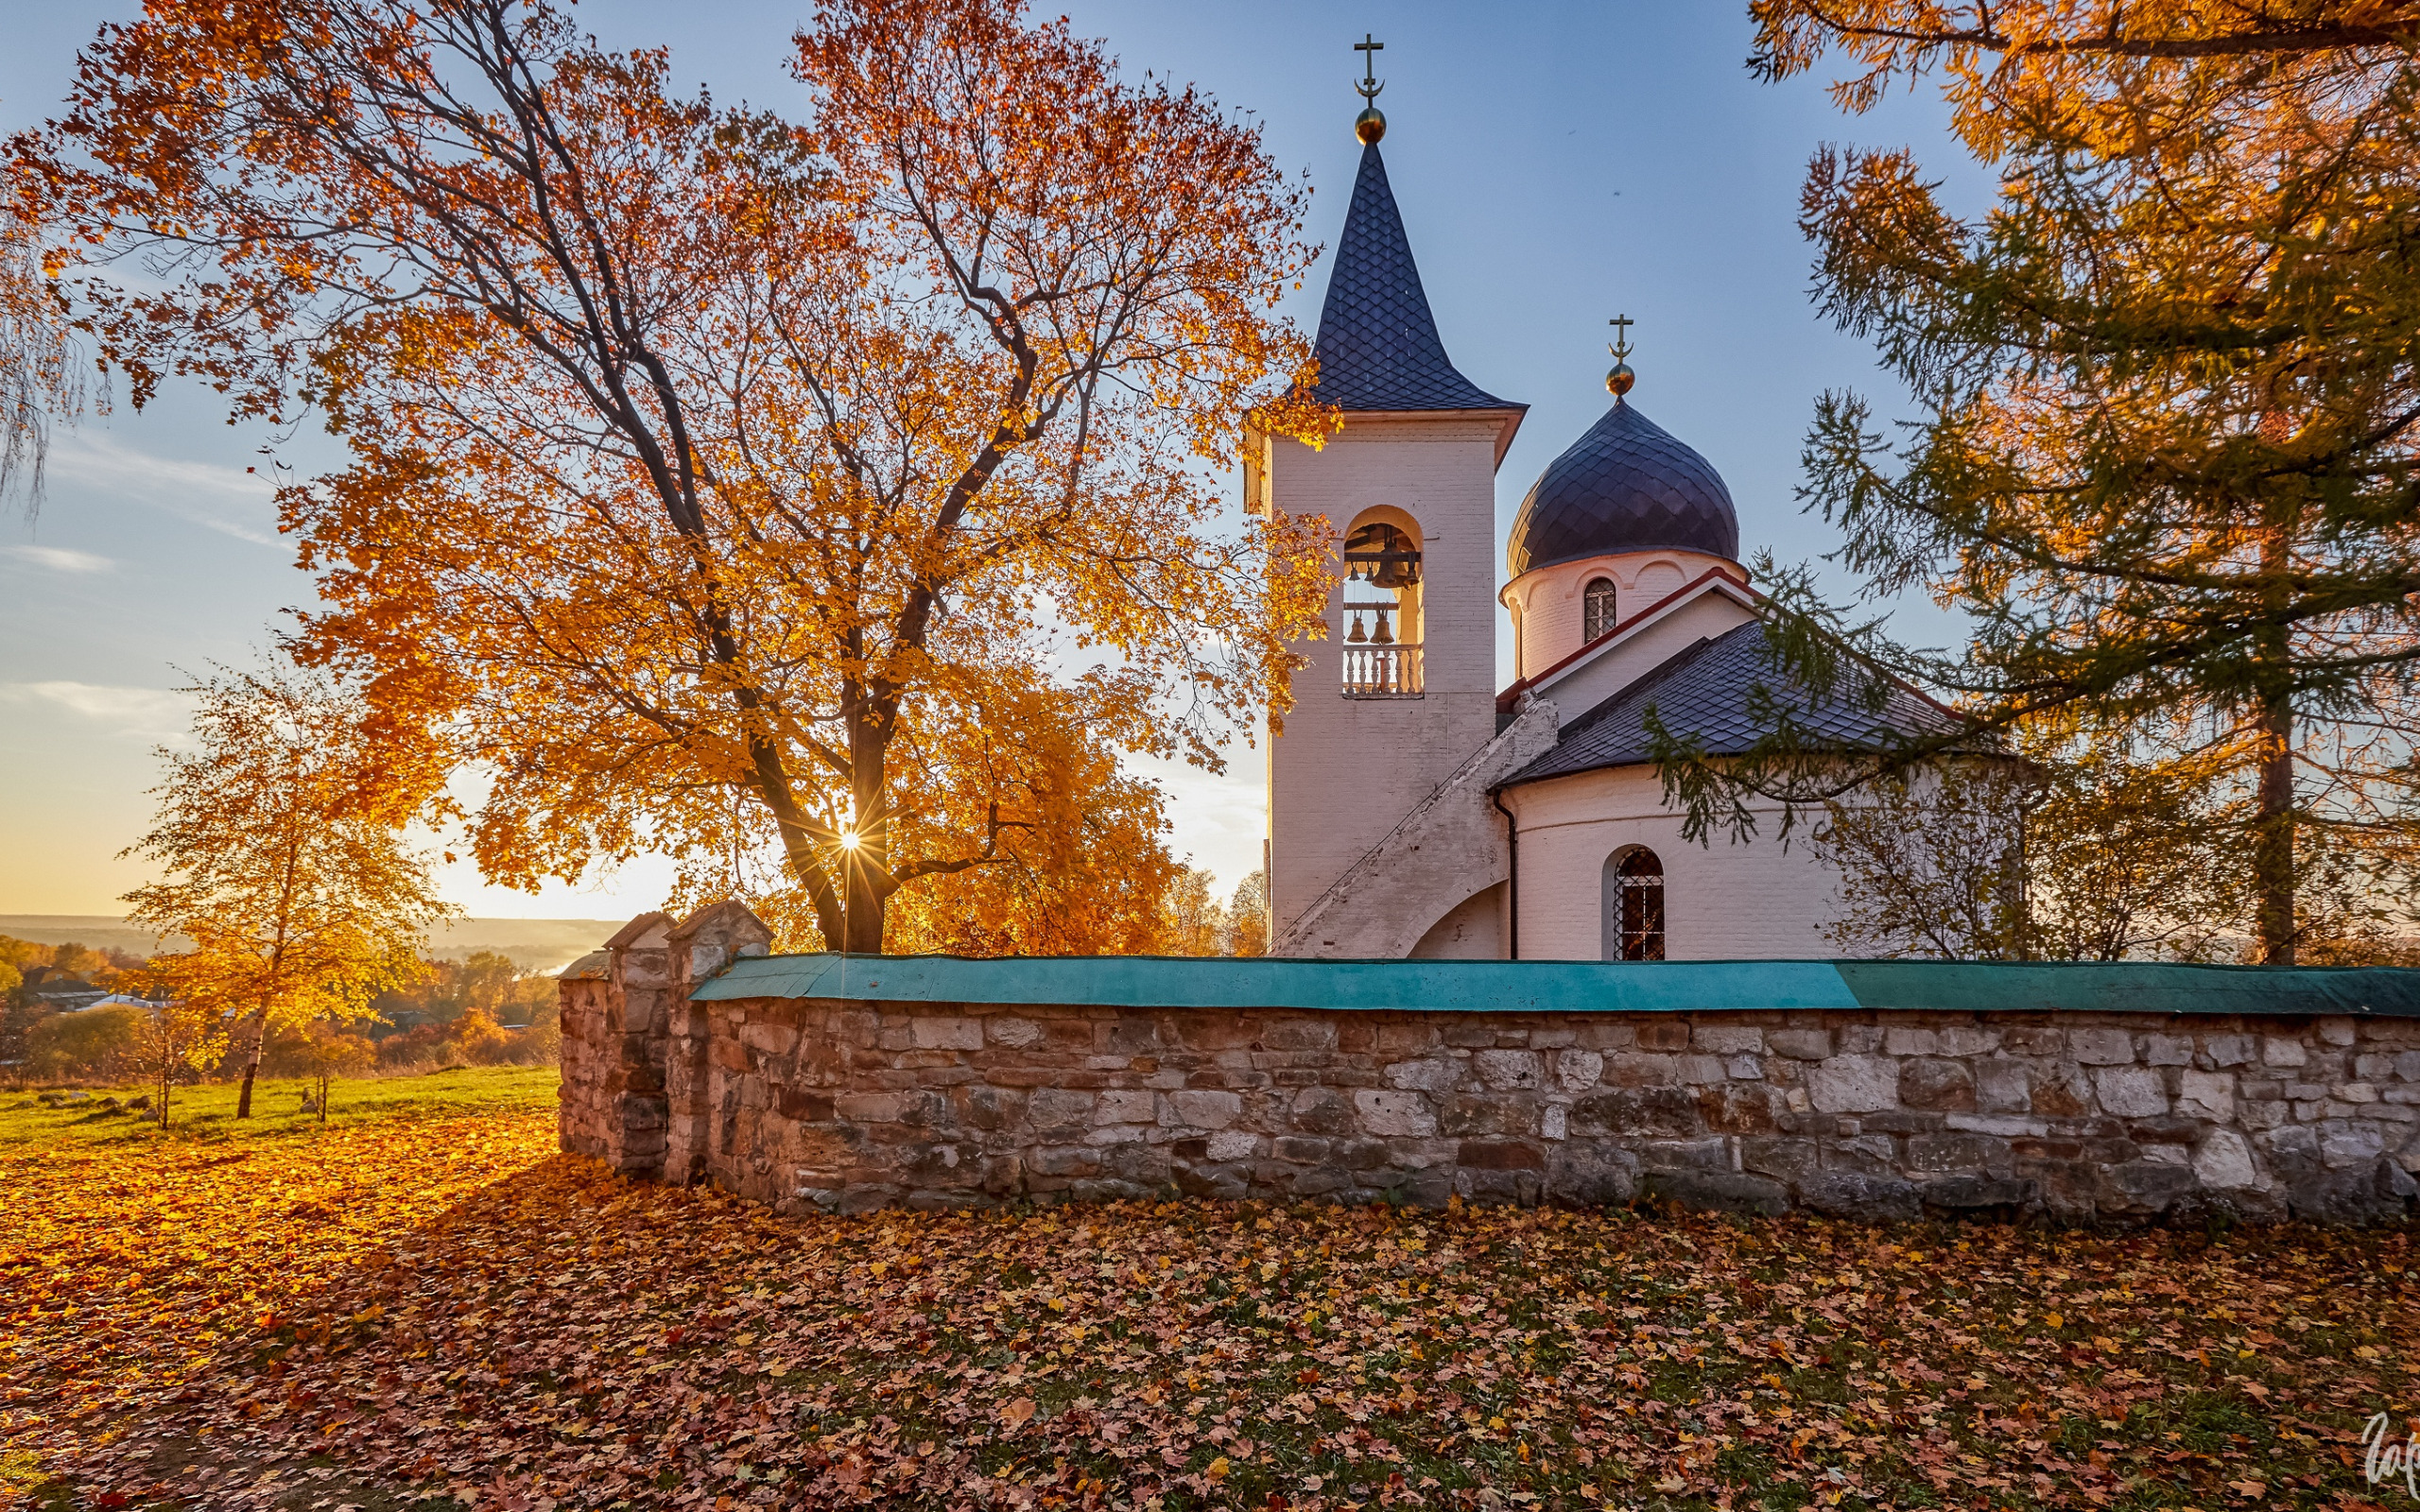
(724, 485)
(281, 831)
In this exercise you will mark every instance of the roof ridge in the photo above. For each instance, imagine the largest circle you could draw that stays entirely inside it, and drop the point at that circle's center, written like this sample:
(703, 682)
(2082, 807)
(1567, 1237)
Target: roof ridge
(1656, 676)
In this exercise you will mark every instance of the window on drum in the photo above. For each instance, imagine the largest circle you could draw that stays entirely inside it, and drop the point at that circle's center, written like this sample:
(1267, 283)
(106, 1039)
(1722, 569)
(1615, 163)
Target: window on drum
(1597, 609)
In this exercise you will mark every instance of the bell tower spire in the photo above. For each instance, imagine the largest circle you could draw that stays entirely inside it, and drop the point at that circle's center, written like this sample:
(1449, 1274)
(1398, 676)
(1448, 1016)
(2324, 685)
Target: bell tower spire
(1401, 689)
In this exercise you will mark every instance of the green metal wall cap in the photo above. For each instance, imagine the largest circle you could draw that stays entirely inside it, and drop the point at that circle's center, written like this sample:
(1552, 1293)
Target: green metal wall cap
(1573, 987)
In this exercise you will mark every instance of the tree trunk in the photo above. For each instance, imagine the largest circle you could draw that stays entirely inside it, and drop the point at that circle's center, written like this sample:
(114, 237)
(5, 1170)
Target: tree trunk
(2272, 830)
(252, 1066)
(868, 864)
(2273, 842)
(866, 885)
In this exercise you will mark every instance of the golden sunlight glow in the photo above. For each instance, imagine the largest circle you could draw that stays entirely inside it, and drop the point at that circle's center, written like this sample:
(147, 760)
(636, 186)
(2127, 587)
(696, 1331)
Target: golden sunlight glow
(848, 839)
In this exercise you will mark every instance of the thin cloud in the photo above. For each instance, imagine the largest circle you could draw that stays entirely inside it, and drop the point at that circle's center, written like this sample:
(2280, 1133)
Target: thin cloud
(226, 499)
(59, 558)
(153, 714)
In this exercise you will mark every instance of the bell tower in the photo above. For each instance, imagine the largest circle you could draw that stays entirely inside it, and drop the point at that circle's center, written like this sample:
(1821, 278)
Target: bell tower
(1402, 689)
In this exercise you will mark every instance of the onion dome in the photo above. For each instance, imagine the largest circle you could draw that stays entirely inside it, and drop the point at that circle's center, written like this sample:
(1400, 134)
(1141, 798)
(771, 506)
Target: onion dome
(1627, 485)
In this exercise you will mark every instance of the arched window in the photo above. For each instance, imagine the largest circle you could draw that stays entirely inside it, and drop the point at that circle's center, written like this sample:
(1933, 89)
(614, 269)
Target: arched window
(1597, 613)
(1634, 905)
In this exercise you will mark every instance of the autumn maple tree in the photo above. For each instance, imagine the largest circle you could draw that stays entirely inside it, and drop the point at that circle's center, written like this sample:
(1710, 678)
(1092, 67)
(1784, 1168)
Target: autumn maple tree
(742, 487)
(281, 837)
(2162, 449)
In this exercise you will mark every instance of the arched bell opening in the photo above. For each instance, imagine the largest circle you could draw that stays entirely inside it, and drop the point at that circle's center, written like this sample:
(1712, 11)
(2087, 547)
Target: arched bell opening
(1382, 619)
(1634, 902)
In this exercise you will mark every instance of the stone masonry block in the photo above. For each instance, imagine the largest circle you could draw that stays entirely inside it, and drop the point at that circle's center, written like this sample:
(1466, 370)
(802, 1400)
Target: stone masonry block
(1575, 1071)
(1911, 1042)
(1965, 1041)
(1509, 1070)
(2276, 1049)
(1716, 1039)
(868, 1107)
(1800, 1044)
(1395, 1114)
(2206, 1094)
(2130, 1092)
(1853, 1084)
(2167, 1049)
(1202, 1107)
(1638, 1069)
(1940, 1086)
(2002, 1086)
(1014, 1033)
(1439, 1074)
(2101, 1047)
(1128, 1107)
(946, 1034)
(2231, 1049)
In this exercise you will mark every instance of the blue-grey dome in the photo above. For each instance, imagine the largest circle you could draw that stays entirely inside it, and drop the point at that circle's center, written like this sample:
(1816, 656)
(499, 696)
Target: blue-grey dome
(1628, 485)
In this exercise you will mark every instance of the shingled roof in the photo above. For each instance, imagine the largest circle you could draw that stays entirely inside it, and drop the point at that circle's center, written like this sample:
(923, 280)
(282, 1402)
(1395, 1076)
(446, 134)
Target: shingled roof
(1702, 693)
(1378, 348)
(1627, 485)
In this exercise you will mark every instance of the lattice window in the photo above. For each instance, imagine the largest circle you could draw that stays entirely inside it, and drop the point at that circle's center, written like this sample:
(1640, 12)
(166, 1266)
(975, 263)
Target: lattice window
(1634, 906)
(1597, 610)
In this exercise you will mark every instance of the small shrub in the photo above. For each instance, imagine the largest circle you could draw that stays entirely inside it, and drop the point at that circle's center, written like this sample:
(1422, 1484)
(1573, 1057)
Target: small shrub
(95, 1044)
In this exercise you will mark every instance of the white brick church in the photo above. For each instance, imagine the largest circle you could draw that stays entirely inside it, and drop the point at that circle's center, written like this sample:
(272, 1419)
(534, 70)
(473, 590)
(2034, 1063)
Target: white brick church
(1416, 809)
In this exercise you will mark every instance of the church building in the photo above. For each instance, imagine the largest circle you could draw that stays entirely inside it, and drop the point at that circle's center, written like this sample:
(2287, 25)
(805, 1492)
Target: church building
(1414, 808)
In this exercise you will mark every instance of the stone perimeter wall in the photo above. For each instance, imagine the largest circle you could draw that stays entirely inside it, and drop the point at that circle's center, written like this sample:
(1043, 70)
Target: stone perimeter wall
(833, 1105)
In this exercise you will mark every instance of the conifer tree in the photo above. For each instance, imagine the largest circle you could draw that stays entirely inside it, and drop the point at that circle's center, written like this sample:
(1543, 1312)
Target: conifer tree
(2163, 452)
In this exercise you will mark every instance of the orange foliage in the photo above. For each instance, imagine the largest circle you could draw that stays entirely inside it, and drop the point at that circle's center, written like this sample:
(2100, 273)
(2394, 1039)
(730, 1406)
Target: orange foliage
(387, 1314)
(724, 484)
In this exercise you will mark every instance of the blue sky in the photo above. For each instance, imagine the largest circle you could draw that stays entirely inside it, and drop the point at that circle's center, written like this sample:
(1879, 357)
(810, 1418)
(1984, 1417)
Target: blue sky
(1555, 164)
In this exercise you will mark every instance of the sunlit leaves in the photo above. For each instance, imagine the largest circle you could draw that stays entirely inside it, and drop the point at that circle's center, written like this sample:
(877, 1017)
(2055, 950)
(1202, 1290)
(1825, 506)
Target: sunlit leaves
(724, 484)
(448, 1307)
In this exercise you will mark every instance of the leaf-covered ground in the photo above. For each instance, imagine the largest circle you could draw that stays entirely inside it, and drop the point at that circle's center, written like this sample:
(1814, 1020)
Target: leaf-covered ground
(435, 1308)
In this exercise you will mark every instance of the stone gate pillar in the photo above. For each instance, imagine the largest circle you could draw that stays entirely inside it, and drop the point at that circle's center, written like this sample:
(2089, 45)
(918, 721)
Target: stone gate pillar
(697, 948)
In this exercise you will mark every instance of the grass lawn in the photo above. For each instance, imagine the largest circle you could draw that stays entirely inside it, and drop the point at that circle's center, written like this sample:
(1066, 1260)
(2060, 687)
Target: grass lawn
(424, 1305)
(208, 1111)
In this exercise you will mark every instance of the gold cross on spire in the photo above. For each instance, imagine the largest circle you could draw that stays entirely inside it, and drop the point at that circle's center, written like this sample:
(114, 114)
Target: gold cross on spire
(1368, 47)
(1619, 382)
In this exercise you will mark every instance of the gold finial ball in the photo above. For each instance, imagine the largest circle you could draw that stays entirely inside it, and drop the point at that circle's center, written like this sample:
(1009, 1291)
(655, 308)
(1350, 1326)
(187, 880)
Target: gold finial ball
(1370, 125)
(1618, 381)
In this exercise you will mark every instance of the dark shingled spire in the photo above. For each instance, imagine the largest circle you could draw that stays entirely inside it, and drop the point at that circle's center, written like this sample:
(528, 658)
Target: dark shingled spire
(1378, 346)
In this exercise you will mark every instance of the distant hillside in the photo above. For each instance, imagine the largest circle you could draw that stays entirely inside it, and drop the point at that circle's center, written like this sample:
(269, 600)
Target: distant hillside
(533, 944)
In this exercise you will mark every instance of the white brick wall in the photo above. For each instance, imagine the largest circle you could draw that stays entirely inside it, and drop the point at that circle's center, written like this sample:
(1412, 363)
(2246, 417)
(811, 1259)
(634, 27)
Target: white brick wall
(1721, 900)
(1346, 769)
(1550, 604)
